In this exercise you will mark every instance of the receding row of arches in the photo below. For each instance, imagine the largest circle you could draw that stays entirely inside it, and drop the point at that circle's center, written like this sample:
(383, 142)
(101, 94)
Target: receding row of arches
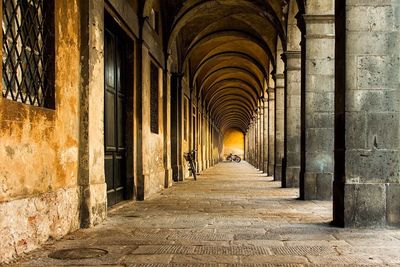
(304, 86)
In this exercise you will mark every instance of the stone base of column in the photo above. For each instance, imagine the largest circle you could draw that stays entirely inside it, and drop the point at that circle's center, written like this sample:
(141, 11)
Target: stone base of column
(266, 167)
(168, 178)
(271, 169)
(318, 186)
(177, 171)
(94, 204)
(278, 172)
(292, 177)
(199, 165)
(371, 205)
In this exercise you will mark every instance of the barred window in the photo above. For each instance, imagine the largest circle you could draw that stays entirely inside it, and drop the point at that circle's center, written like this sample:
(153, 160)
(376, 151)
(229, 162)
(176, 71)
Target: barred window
(28, 52)
(154, 84)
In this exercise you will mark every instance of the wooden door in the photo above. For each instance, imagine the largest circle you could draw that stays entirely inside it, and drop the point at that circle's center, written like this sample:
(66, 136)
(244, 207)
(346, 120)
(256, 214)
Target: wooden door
(114, 114)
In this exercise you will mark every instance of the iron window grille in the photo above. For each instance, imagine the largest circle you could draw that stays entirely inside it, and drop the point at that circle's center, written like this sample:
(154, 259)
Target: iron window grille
(154, 84)
(28, 52)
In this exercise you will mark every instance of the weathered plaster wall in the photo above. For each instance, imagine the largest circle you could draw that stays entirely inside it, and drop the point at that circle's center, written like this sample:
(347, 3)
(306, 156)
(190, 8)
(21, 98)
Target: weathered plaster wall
(39, 152)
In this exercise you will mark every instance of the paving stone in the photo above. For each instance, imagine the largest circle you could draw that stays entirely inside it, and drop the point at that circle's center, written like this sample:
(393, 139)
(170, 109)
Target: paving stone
(267, 236)
(265, 265)
(275, 259)
(144, 259)
(231, 216)
(301, 250)
(208, 259)
(232, 250)
(345, 259)
(170, 264)
(200, 236)
(167, 249)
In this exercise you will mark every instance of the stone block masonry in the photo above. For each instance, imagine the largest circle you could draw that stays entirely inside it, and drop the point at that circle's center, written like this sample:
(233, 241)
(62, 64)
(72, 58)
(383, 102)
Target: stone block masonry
(319, 100)
(369, 193)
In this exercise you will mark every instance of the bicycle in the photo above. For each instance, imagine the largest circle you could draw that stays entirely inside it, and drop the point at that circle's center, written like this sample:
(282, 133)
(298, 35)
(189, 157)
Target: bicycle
(232, 157)
(190, 158)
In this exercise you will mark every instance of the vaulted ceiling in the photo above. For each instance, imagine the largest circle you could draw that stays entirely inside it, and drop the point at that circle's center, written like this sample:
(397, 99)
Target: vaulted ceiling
(227, 47)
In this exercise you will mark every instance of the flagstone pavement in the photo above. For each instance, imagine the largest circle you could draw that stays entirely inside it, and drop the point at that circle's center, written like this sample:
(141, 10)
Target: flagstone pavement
(233, 215)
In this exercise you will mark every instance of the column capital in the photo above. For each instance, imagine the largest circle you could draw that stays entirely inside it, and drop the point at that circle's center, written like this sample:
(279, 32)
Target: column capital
(271, 93)
(293, 62)
(320, 26)
(280, 76)
(289, 54)
(319, 19)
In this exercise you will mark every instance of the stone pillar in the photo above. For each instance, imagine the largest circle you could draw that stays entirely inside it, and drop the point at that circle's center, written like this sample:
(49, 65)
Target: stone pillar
(265, 136)
(368, 191)
(210, 132)
(167, 127)
(261, 147)
(259, 138)
(93, 206)
(279, 125)
(204, 137)
(176, 127)
(250, 146)
(293, 118)
(271, 133)
(319, 100)
(254, 142)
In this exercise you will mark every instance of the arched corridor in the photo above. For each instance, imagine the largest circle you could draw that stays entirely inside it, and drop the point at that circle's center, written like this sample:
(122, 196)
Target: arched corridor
(104, 103)
(233, 215)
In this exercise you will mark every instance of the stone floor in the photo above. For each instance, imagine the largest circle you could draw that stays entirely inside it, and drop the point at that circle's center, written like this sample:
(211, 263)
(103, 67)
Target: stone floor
(231, 216)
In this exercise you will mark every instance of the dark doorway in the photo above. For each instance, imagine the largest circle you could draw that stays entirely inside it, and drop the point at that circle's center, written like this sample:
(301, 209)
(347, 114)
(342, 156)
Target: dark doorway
(117, 71)
(176, 143)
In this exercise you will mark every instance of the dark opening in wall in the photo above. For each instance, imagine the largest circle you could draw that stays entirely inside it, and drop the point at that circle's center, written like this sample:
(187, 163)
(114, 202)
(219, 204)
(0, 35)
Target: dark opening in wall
(185, 118)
